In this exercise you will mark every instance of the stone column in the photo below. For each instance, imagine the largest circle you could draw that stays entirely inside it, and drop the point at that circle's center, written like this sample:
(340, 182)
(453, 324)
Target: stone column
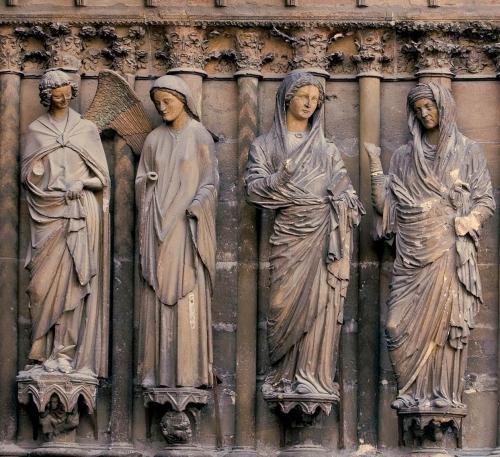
(249, 61)
(122, 282)
(10, 85)
(369, 62)
(187, 54)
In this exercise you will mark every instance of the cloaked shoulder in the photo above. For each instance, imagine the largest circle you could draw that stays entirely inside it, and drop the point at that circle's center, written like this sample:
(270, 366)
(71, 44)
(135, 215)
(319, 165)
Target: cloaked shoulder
(201, 132)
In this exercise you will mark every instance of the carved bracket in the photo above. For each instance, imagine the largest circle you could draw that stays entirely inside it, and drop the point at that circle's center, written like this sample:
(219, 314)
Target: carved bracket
(307, 403)
(41, 385)
(428, 428)
(56, 396)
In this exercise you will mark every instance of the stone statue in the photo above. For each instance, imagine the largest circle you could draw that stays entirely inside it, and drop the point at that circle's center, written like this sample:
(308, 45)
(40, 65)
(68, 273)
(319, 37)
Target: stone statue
(295, 171)
(176, 190)
(66, 178)
(434, 200)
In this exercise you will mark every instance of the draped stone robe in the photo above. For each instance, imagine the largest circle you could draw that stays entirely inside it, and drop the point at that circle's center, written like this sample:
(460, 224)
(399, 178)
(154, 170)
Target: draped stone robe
(311, 244)
(436, 289)
(67, 255)
(177, 256)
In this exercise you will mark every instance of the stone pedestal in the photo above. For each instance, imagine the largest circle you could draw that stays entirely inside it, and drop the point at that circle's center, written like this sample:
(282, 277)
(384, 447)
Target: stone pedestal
(178, 424)
(431, 431)
(56, 396)
(302, 415)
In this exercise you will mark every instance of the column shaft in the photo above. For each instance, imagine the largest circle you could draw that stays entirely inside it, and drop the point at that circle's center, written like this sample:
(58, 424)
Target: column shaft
(122, 281)
(246, 335)
(10, 86)
(368, 306)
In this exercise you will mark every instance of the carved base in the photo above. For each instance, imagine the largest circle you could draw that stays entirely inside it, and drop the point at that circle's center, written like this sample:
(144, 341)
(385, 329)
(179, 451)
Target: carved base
(242, 452)
(304, 450)
(431, 431)
(55, 396)
(184, 451)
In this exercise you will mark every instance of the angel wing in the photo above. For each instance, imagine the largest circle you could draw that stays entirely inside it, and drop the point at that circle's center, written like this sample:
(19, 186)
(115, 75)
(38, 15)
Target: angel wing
(116, 106)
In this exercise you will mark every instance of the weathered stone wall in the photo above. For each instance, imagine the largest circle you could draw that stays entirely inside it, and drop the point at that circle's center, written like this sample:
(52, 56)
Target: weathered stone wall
(234, 58)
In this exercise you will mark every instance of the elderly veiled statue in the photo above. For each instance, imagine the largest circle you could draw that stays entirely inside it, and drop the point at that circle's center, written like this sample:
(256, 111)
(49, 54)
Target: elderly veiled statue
(176, 188)
(294, 170)
(66, 177)
(434, 199)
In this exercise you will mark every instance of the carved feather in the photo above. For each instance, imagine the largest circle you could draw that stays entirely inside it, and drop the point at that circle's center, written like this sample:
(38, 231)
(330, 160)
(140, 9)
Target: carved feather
(116, 106)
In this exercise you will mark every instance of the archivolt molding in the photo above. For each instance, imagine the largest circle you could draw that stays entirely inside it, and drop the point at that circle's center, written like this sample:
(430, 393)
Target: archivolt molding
(149, 48)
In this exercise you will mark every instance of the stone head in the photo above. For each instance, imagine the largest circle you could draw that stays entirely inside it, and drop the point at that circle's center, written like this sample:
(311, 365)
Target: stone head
(421, 99)
(56, 89)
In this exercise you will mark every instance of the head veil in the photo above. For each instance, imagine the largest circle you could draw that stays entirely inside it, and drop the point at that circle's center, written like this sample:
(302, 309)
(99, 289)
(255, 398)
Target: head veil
(176, 84)
(278, 132)
(448, 132)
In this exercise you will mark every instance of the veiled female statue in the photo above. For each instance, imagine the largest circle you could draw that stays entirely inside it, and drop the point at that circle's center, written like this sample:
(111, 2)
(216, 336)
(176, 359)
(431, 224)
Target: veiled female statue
(66, 177)
(176, 188)
(434, 199)
(295, 171)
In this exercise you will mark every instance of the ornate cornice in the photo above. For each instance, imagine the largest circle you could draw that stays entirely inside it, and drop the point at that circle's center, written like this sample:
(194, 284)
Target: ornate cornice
(344, 49)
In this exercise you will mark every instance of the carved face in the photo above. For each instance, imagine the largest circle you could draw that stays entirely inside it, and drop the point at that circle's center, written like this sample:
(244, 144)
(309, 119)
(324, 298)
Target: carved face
(427, 113)
(168, 105)
(304, 102)
(61, 96)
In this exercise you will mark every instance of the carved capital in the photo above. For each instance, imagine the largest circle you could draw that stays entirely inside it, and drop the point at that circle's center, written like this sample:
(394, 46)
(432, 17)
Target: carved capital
(186, 47)
(249, 55)
(63, 46)
(434, 55)
(123, 50)
(371, 56)
(493, 50)
(11, 52)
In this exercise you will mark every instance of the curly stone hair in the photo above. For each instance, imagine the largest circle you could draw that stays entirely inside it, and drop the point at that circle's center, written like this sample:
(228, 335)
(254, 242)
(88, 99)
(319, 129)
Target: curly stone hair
(52, 79)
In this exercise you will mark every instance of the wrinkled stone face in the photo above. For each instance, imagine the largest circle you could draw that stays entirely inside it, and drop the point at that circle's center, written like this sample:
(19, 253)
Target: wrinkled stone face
(176, 427)
(427, 113)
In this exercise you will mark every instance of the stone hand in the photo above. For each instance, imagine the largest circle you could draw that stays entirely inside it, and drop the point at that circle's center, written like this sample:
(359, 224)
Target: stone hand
(152, 175)
(374, 157)
(466, 224)
(75, 190)
(372, 150)
(288, 168)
